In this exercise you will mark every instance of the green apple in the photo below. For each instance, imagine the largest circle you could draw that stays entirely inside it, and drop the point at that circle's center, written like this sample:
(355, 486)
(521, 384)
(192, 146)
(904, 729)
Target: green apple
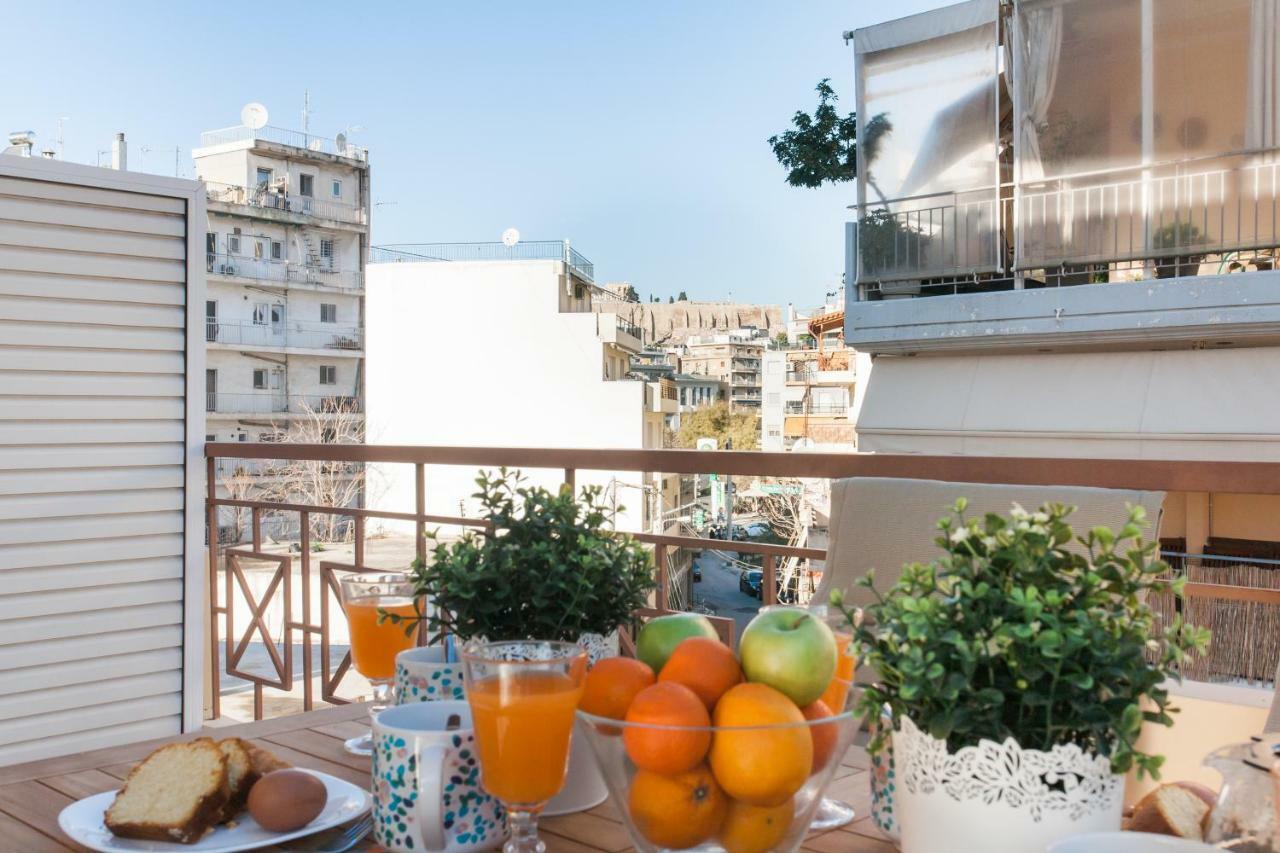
(791, 650)
(659, 637)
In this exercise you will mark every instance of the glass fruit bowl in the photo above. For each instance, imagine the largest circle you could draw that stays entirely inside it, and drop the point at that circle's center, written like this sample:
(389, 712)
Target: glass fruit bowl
(740, 789)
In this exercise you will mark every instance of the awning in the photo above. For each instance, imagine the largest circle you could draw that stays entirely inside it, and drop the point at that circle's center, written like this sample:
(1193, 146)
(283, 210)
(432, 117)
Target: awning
(1189, 404)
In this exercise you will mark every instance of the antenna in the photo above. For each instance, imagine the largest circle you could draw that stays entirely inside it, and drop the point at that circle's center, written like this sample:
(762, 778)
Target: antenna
(306, 111)
(62, 149)
(510, 237)
(253, 115)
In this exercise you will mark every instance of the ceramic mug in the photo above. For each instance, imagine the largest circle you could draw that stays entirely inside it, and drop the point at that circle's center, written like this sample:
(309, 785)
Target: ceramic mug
(422, 675)
(426, 782)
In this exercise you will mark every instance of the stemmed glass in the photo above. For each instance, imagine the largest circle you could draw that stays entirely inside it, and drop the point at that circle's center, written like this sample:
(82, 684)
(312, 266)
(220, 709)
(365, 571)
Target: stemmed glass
(832, 813)
(374, 645)
(523, 696)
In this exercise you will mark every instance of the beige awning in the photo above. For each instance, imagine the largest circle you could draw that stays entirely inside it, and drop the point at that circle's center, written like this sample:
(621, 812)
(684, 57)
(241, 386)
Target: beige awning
(1189, 404)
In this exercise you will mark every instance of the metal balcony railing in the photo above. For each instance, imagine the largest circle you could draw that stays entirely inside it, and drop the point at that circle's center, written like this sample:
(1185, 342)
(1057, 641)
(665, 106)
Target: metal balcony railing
(274, 402)
(263, 269)
(531, 250)
(310, 598)
(289, 334)
(629, 328)
(282, 136)
(265, 197)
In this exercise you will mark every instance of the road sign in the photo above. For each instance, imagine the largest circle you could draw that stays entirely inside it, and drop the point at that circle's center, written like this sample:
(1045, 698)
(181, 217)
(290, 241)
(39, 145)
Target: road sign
(780, 489)
(707, 444)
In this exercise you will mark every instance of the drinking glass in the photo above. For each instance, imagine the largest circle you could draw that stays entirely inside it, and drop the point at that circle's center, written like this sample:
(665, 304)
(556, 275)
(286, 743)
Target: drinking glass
(523, 696)
(374, 646)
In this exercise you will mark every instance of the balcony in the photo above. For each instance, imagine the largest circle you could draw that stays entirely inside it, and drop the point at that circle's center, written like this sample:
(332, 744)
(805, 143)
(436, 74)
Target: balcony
(525, 250)
(283, 136)
(622, 333)
(289, 335)
(276, 202)
(272, 402)
(282, 272)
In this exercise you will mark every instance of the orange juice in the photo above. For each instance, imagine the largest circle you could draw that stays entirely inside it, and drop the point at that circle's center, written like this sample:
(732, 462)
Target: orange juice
(374, 647)
(522, 728)
(837, 692)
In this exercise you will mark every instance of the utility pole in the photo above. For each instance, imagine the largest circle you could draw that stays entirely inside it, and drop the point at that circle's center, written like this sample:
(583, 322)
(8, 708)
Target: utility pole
(728, 498)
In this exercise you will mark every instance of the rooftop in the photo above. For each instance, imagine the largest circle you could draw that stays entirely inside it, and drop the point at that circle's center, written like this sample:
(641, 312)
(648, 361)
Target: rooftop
(299, 139)
(525, 250)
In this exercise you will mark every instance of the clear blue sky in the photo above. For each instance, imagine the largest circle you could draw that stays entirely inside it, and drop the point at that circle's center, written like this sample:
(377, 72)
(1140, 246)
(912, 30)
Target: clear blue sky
(637, 130)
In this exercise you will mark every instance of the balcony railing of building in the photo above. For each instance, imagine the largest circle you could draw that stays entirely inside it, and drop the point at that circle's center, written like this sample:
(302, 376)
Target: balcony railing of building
(274, 402)
(800, 407)
(525, 250)
(266, 197)
(306, 617)
(629, 328)
(288, 334)
(264, 269)
(283, 136)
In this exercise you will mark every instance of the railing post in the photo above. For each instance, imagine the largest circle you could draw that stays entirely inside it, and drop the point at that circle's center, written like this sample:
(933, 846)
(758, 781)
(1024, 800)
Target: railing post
(304, 541)
(420, 498)
(662, 596)
(211, 520)
(769, 580)
(571, 480)
(255, 516)
(359, 543)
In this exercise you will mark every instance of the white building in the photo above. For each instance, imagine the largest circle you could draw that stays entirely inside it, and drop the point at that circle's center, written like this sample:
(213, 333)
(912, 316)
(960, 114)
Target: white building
(505, 352)
(284, 317)
(734, 358)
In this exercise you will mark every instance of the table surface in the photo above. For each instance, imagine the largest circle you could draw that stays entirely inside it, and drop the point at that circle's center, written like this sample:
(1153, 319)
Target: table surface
(32, 795)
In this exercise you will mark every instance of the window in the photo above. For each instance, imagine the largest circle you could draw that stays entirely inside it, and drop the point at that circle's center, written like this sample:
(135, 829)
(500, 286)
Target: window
(336, 189)
(259, 249)
(211, 243)
(211, 320)
(260, 379)
(264, 177)
(328, 435)
(233, 242)
(684, 393)
(326, 248)
(261, 314)
(306, 185)
(277, 250)
(328, 374)
(328, 313)
(210, 437)
(244, 436)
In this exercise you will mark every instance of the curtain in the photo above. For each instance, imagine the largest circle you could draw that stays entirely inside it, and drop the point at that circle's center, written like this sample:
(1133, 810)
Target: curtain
(1262, 116)
(1035, 68)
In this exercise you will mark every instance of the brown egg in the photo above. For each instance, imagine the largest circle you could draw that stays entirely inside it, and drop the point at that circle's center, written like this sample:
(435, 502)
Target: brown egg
(285, 800)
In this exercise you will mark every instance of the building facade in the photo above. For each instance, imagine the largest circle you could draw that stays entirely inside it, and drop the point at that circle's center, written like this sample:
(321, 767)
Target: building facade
(734, 359)
(288, 228)
(508, 351)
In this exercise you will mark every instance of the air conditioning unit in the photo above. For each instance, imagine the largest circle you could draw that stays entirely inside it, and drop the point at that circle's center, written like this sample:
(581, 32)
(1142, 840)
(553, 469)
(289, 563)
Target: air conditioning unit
(227, 269)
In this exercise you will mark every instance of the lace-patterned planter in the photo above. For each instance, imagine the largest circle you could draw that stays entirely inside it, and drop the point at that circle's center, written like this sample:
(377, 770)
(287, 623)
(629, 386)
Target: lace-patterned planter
(998, 797)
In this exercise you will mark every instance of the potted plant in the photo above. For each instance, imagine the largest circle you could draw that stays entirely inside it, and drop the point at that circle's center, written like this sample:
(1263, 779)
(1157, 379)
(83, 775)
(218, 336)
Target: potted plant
(1178, 235)
(1017, 672)
(547, 567)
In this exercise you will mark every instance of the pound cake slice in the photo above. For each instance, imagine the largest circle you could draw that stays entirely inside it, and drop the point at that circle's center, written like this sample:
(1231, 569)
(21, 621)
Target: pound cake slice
(240, 775)
(176, 794)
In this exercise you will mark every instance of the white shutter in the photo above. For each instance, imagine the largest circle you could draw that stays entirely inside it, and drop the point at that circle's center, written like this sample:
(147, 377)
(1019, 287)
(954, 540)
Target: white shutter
(102, 584)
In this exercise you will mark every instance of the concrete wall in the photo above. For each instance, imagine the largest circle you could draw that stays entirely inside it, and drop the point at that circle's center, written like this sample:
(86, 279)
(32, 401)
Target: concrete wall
(674, 322)
(479, 354)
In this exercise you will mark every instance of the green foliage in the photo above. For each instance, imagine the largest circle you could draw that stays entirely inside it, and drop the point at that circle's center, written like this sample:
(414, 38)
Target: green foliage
(1177, 235)
(720, 422)
(630, 294)
(682, 297)
(821, 147)
(781, 341)
(884, 241)
(1010, 634)
(548, 569)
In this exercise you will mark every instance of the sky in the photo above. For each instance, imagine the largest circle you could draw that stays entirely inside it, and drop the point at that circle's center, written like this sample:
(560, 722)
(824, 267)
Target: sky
(636, 130)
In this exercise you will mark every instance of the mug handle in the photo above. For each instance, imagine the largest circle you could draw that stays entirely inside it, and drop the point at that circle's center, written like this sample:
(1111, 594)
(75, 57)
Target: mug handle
(430, 788)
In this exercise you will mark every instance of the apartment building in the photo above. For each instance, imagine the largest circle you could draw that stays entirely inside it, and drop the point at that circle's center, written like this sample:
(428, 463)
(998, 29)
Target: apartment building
(1067, 248)
(288, 229)
(478, 344)
(734, 359)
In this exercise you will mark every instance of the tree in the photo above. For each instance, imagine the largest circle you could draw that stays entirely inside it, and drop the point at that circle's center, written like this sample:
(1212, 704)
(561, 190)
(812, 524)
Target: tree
(683, 297)
(781, 341)
(821, 148)
(630, 294)
(718, 421)
(671, 300)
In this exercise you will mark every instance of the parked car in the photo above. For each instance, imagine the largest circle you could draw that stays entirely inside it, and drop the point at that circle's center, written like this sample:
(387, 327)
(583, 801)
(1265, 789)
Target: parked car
(758, 528)
(750, 582)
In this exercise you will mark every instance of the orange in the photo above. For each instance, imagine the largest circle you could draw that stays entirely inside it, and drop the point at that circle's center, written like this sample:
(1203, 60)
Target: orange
(755, 829)
(760, 766)
(707, 667)
(677, 811)
(825, 736)
(611, 685)
(666, 750)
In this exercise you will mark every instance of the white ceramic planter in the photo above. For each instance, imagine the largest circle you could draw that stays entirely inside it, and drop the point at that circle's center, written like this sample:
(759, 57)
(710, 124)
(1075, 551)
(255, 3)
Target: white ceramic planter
(999, 797)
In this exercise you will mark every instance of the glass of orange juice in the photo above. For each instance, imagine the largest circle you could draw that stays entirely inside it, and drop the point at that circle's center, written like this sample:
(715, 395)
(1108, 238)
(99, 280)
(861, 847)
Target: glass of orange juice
(375, 642)
(523, 696)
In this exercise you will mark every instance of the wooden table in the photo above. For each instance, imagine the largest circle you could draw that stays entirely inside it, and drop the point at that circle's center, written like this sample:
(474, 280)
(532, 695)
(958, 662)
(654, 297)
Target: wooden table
(32, 795)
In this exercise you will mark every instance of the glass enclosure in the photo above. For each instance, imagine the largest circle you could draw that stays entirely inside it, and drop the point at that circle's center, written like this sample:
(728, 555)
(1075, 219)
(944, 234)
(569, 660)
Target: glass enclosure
(928, 180)
(1139, 131)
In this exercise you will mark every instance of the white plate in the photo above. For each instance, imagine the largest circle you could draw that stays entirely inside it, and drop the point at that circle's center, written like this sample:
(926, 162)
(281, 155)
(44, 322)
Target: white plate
(82, 821)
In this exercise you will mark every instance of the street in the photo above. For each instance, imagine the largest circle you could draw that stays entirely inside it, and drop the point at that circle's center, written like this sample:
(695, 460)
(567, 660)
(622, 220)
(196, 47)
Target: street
(719, 591)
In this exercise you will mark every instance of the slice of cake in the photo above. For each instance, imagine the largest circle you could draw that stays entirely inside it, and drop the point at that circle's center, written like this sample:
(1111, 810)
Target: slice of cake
(263, 761)
(240, 775)
(176, 794)
(1171, 810)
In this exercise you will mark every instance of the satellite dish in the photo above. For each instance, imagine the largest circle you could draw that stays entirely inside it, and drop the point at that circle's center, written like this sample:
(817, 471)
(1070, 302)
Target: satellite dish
(510, 237)
(254, 115)
(341, 141)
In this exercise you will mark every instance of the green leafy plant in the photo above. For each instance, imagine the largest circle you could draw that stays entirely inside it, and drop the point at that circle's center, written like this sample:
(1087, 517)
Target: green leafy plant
(1010, 634)
(547, 568)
